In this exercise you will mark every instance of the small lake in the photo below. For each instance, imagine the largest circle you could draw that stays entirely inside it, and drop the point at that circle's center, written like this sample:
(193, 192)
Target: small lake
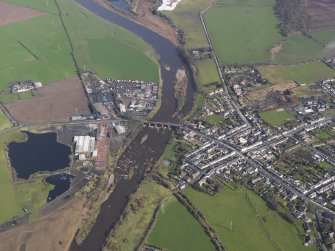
(40, 153)
(62, 183)
(120, 4)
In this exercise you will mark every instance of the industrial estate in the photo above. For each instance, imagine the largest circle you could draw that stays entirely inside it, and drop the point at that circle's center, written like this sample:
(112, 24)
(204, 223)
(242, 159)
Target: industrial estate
(167, 125)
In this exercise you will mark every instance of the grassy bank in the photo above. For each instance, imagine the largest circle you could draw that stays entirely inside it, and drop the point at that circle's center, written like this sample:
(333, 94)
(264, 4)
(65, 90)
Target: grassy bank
(138, 215)
(4, 121)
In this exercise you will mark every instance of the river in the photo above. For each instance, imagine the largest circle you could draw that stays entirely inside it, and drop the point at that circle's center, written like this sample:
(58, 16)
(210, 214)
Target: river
(137, 156)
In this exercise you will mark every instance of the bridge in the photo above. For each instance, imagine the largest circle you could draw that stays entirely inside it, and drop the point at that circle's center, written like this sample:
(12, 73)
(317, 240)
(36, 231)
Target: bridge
(164, 125)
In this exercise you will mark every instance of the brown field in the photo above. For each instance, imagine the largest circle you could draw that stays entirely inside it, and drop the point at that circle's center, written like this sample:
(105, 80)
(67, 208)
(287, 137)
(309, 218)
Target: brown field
(320, 14)
(261, 94)
(10, 13)
(56, 102)
(54, 232)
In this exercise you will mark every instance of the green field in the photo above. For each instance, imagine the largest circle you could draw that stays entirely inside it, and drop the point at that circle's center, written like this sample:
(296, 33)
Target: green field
(326, 37)
(207, 75)
(301, 73)
(243, 31)
(43, 53)
(186, 17)
(239, 228)
(323, 135)
(14, 197)
(176, 230)
(299, 48)
(326, 165)
(43, 5)
(108, 50)
(38, 48)
(276, 117)
(214, 119)
(286, 235)
(132, 227)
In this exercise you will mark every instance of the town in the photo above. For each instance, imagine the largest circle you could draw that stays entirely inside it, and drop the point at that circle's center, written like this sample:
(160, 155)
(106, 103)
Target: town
(287, 161)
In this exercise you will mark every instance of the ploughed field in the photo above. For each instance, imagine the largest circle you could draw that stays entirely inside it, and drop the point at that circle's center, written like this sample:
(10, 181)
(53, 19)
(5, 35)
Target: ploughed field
(56, 102)
(320, 14)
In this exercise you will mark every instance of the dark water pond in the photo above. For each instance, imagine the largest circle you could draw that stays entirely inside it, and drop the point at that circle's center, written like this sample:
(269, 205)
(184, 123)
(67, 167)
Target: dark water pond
(62, 183)
(41, 152)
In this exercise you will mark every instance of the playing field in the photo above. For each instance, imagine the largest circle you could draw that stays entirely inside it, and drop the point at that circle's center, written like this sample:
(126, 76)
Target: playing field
(108, 50)
(207, 75)
(276, 117)
(238, 226)
(14, 197)
(301, 73)
(243, 31)
(299, 48)
(176, 230)
(186, 17)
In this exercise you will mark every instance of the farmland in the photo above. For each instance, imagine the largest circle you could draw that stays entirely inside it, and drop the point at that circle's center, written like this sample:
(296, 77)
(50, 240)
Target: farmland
(175, 229)
(40, 50)
(107, 49)
(238, 226)
(326, 37)
(35, 49)
(47, 6)
(276, 117)
(186, 17)
(207, 75)
(298, 48)
(246, 32)
(301, 73)
(15, 197)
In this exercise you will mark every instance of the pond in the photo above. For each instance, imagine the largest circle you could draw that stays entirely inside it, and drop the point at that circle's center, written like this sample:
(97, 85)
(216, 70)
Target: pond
(40, 153)
(62, 183)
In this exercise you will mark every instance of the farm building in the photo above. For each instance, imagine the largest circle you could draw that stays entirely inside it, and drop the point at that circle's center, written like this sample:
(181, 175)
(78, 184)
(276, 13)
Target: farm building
(23, 86)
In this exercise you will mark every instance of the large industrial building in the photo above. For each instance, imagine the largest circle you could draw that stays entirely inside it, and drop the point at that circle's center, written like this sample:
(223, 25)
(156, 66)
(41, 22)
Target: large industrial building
(84, 146)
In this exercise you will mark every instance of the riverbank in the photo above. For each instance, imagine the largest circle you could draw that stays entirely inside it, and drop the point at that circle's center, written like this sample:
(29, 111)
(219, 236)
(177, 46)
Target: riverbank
(146, 18)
